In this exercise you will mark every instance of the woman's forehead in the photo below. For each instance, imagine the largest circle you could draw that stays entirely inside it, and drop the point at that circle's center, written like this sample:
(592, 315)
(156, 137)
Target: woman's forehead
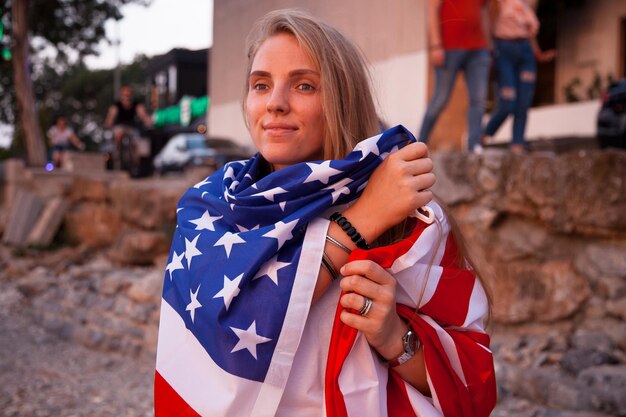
(282, 49)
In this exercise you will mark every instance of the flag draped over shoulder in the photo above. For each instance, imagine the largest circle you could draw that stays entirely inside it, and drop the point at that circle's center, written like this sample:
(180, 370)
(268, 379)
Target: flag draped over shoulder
(237, 290)
(240, 276)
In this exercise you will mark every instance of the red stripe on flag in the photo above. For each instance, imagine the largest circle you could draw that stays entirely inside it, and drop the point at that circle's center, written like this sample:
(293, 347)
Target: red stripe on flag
(167, 402)
(450, 302)
(398, 403)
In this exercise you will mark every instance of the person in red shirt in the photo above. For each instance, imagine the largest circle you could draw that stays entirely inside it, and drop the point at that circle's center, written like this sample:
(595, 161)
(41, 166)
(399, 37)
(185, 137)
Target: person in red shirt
(458, 41)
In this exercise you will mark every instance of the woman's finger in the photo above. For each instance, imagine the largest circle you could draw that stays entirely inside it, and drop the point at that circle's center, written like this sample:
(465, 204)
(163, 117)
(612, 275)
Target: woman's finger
(363, 286)
(419, 166)
(412, 151)
(369, 269)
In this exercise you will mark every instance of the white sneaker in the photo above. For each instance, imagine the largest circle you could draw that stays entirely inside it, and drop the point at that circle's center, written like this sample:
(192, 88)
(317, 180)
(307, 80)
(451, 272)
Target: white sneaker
(477, 149)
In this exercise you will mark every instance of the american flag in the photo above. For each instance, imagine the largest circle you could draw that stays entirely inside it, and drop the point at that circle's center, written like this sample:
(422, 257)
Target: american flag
(239, 279)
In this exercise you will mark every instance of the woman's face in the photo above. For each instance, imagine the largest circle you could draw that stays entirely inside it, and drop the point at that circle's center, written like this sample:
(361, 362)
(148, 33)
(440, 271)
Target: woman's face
(284, 103)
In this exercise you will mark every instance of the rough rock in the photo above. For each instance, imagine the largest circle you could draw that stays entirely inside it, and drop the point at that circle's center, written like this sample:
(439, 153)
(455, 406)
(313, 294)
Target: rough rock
(148, 288)
(546, 292)
(452, 186)
(138, 247)
(93, 224)
(148, 204)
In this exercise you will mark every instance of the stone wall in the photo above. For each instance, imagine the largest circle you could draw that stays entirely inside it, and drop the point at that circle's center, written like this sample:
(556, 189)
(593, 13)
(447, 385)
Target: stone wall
(546, 232)
(549, 237)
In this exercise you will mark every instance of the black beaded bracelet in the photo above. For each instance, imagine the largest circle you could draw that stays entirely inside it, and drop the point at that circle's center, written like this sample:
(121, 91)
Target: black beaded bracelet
(350, 230)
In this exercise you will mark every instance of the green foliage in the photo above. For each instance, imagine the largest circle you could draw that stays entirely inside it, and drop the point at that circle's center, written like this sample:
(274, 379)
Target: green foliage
(594, 90)
(63, 85)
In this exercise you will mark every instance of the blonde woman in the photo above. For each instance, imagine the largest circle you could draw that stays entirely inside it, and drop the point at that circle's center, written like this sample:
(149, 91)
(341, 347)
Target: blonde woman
(281, 296)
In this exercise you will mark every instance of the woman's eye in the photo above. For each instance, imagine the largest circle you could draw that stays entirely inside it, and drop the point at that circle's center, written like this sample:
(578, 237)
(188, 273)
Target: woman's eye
(259, 86)
(305, 87)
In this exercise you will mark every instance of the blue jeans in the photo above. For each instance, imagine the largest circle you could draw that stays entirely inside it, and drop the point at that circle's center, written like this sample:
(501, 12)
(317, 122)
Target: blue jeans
(516, 70)
(475, 66)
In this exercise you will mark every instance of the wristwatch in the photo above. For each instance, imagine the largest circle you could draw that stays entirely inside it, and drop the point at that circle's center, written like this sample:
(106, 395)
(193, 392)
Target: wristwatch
(412, 344)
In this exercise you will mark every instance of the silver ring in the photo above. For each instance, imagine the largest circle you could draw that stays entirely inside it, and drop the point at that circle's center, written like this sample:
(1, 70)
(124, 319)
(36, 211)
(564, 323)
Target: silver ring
(367, 306)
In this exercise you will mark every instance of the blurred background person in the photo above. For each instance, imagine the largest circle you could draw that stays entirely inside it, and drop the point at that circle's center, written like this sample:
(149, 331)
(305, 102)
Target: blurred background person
(458, 41)
(515, 26)
(61, 138)
(125, 114)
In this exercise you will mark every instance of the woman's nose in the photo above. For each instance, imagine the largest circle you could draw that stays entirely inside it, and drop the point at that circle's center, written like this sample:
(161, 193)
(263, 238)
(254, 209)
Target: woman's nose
(279, 100)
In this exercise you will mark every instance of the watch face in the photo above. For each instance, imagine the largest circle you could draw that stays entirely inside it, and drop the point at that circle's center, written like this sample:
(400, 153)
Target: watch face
(411, 342)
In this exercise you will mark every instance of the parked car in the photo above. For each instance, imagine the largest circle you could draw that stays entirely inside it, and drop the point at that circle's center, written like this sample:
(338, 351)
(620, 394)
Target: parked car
(612, 117)
(194, 149)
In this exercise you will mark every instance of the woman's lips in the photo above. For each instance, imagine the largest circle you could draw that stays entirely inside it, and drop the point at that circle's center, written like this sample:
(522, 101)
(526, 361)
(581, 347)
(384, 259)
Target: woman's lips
(279, 129)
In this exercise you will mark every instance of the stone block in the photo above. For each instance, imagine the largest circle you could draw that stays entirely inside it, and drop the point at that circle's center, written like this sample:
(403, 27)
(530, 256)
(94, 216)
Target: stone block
(147, 204)
(90, 188)
(137, 247)
(83, 161)
(23, 215)
(147, 289)
(546, 292)
(48, 223)
(453, 184)
(95, 225)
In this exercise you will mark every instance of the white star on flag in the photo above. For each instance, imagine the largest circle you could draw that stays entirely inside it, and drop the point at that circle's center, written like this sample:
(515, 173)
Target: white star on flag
(270, 268)
(175, 264)
(202, 183)
(228, 240)
(368, 146)
(233, 185)
(191, 307)
(205, 222)
(191, 250)
(386, 154)
(230, 290)
(269, 194)
(281, 231)
(248, 339)
(230, 173)
(321, 172)
(339, 188)
(282, 205)
(243, 229)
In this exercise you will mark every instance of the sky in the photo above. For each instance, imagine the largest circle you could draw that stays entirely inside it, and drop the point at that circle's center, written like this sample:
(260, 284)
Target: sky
(156, 29)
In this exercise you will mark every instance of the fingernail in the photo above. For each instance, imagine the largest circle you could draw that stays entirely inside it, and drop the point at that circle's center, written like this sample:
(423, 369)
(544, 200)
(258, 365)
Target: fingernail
(342, 270)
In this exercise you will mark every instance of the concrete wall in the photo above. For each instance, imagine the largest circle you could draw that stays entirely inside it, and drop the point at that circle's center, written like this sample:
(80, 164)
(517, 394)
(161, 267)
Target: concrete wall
(391, 35)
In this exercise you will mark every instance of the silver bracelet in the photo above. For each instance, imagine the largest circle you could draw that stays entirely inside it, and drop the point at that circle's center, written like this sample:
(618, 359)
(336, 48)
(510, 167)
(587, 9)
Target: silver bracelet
(330, 267)
(338, 244)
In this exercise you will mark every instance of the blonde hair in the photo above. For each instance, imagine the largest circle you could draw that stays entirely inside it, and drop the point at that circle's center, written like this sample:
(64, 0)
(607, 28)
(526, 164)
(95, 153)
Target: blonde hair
(349, 109)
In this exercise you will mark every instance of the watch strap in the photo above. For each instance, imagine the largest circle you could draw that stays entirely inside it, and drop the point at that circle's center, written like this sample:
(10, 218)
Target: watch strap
(408, 352)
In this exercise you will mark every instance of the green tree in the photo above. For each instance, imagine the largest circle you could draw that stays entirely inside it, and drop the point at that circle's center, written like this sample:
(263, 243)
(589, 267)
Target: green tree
(72, 27)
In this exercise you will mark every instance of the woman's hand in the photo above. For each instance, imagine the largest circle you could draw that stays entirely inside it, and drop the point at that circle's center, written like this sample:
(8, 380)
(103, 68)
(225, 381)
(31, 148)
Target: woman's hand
(395, 190)
(382, 326)
(437, 56)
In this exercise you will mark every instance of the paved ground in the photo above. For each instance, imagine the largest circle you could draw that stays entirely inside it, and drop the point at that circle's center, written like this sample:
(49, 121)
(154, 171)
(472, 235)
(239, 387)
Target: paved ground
(41, 375)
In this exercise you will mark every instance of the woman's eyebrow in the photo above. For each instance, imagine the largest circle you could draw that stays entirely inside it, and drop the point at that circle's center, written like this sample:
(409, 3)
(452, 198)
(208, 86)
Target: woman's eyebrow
(294, 73)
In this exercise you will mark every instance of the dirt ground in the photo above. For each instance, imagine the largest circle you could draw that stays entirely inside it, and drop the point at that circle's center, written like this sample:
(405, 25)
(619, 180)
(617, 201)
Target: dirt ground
(42, 375)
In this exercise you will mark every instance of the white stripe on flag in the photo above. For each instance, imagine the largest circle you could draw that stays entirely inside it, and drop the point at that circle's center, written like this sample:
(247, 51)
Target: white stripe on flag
(363, 381)
(188, 368)
(448, 346)
(422, 405)
(477, 309)
(295, 319)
